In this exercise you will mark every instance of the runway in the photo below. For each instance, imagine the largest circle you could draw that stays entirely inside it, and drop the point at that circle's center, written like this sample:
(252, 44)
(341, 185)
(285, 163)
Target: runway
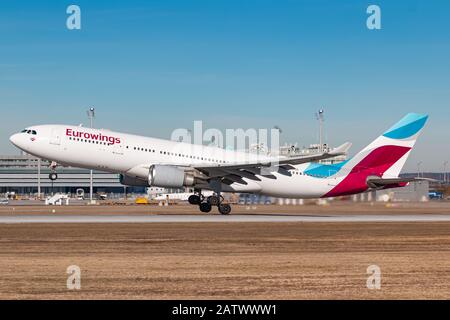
(241, 218)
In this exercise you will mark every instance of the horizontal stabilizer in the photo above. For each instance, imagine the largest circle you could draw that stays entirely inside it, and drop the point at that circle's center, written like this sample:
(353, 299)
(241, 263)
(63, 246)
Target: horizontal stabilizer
(342, 149)
(375, 182)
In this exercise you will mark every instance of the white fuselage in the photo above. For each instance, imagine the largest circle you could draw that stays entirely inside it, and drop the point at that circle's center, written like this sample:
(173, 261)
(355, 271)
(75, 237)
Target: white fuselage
(131, 155)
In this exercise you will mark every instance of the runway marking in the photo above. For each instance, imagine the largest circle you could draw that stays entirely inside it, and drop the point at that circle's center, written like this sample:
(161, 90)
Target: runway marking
(271, 217)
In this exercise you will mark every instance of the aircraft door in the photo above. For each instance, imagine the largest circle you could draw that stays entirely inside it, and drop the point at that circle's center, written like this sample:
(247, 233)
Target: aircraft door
(55, 137)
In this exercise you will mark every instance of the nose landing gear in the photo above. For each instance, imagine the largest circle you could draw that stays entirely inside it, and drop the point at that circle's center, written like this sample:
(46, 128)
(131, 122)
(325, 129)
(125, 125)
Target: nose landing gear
(53, 176)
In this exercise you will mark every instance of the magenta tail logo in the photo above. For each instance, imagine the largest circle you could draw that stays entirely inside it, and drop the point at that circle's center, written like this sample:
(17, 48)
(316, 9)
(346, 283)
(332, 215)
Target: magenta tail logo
(374, 164)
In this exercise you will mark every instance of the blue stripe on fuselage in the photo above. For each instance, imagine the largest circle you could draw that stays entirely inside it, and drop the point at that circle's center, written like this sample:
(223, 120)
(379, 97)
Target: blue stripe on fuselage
(324, 170)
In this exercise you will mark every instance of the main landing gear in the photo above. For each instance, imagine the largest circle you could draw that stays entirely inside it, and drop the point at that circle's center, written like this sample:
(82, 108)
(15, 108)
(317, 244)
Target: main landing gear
(206, 204)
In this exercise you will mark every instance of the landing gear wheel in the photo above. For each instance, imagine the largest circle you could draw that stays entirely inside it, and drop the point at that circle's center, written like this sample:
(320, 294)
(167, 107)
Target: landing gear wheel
(205, 207)
(224, 208)
(214, 200)
(194, 199)
(53, 176)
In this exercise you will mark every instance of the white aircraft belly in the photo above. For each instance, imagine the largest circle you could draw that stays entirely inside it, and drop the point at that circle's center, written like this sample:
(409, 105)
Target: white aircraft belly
(296, 186)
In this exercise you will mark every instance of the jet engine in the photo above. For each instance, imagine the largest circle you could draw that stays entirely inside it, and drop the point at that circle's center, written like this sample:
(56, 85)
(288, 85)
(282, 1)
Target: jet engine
(169, 177)
(131, 181)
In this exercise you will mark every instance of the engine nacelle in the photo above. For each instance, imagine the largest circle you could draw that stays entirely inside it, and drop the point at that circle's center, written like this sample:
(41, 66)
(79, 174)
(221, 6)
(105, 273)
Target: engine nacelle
(131, 181)
(169, 177)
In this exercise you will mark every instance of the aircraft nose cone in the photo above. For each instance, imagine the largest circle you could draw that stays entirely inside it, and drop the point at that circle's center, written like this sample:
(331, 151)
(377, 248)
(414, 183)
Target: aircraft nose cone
(14, 139)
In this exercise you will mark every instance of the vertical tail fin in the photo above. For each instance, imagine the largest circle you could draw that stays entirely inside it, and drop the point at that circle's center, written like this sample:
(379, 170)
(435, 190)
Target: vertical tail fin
(387, 155)
(384, 157)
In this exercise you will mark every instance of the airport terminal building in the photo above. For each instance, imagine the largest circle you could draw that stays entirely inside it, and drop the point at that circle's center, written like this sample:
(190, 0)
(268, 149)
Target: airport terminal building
(22, 174)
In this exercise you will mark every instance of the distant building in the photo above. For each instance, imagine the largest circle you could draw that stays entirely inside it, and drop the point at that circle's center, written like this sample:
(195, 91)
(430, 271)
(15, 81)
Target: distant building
(413, 192)
(19, 174)
(294, 151)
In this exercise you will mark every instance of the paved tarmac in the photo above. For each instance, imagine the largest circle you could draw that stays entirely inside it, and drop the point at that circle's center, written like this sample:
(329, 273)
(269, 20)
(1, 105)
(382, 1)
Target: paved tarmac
(215, 218)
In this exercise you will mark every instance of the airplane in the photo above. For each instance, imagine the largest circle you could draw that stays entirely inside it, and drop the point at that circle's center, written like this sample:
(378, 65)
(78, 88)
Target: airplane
(151, 162)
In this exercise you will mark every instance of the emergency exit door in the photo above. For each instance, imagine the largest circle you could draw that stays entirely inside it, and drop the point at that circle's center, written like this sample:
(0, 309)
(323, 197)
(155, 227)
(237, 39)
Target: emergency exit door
(55, 137)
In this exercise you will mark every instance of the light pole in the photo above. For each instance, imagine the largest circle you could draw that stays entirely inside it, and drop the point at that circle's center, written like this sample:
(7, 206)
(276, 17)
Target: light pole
(320, 118)
(418, 168)
(275, 141)
(91, 115)
(39, 178)
(445, 172)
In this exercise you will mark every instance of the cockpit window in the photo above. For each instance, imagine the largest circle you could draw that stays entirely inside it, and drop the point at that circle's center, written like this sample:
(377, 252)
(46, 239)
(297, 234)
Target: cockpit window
(27, 131)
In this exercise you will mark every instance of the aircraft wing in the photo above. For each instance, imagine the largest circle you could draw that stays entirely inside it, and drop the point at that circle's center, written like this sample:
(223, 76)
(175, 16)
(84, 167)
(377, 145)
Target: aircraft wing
(234, 172)
(375, 182)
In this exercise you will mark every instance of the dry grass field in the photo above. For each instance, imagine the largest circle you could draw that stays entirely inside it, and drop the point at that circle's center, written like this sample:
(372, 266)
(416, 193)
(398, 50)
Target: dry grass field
(224, 260)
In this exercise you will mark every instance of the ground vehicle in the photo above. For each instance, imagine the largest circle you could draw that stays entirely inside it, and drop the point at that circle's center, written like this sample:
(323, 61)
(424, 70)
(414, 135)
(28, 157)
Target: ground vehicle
(436, 195)
(102, 196)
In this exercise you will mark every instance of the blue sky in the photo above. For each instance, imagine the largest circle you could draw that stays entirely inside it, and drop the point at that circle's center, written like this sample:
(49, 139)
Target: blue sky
(150, 67)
